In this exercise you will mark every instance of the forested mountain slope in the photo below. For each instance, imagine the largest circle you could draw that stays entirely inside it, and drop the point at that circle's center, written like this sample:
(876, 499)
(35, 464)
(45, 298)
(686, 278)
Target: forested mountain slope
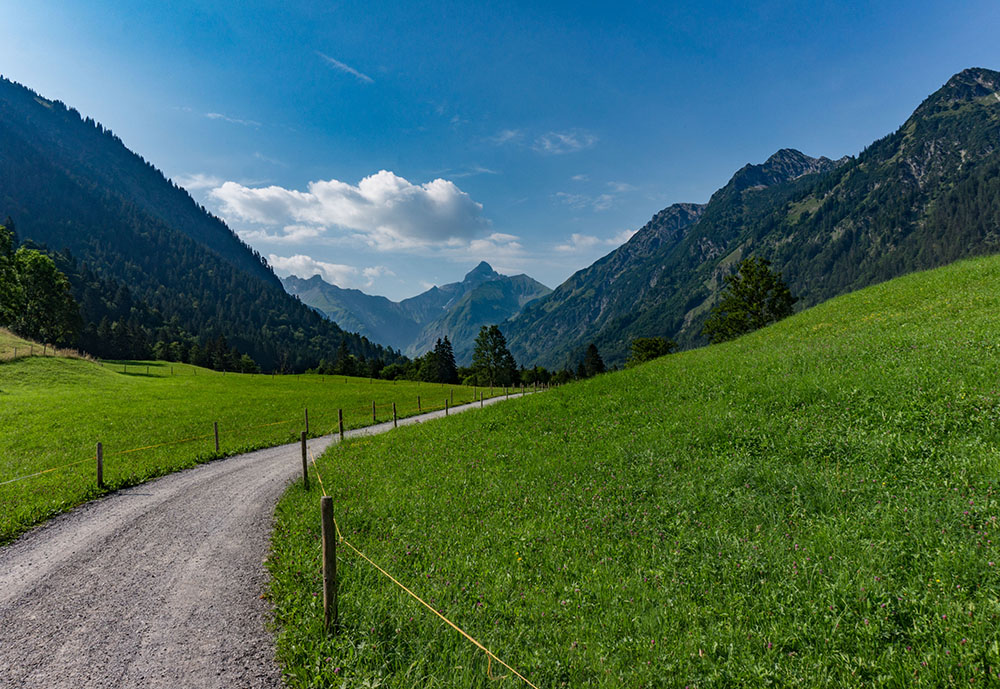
(921, 197)
(71, 185)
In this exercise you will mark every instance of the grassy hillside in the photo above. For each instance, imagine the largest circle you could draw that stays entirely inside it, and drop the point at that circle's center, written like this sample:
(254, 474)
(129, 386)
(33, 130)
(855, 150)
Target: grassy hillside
(53, 411)
(811, 505)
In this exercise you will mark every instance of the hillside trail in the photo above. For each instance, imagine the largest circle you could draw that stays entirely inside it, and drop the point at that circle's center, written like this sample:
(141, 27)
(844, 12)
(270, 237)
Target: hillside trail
(159, 585)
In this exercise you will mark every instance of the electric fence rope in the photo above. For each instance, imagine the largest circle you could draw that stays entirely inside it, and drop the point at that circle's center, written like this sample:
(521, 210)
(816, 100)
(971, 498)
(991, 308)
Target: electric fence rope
(490, 655)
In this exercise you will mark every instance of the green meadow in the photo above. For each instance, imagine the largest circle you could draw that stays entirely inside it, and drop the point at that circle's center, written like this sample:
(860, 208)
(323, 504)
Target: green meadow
(156, 417)
(812, 505)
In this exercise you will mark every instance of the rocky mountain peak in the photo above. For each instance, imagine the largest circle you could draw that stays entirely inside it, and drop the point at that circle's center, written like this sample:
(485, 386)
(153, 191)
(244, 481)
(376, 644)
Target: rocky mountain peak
(482, 273)
(964, 87)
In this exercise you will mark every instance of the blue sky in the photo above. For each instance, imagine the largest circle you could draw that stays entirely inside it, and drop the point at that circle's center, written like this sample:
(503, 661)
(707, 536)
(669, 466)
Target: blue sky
(390, 146)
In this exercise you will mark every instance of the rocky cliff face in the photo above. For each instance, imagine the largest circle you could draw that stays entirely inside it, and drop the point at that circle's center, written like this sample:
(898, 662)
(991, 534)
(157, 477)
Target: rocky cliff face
(915, 199)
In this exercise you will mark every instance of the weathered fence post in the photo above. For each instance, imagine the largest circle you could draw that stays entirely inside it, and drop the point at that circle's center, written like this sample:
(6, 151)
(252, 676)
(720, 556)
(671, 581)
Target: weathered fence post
(481, 403)
(307, 419)
(100, 465)
(340, 418)
(446, 407)
(394, 424)
(305, 463)
(216, 437)
(418, 404)
(453, 396)
(374, 418)
(329, 563)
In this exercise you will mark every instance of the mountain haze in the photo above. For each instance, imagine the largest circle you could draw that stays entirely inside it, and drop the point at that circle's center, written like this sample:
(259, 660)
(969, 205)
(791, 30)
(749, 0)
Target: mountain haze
(918, 198)
(455, 310)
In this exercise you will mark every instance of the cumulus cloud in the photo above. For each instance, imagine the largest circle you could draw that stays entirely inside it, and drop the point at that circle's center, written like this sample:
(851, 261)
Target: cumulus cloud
(384, 210)
(335, 273)
(579, 243)
(558, 143)
(347, 69)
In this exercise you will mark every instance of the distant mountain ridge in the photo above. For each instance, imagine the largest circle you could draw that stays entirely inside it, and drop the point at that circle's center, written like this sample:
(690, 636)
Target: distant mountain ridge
(921, 197)
(413, 325)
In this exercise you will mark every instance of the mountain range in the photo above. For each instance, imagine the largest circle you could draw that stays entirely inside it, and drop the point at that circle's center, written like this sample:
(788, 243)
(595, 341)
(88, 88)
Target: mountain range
(923, 196)
(455, 310)
(148, 264)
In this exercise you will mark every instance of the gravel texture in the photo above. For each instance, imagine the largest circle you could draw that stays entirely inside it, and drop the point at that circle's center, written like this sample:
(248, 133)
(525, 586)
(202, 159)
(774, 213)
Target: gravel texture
(158, 585)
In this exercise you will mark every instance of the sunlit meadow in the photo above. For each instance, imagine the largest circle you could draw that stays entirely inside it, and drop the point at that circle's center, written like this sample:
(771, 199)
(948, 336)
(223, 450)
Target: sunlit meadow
(811, 505)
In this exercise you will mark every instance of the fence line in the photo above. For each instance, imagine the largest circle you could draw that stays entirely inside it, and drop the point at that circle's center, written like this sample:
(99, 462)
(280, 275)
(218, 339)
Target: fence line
(367, 409)
(490, 655)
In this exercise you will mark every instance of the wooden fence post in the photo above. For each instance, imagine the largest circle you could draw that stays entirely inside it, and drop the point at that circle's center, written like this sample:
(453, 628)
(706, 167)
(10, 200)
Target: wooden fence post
(216, 437)
(340, 417)
(307, 419)
(481, 403)
(418, 404)
(394, 424)
(329, 564)
(446, 407)
(374, 418)
(453, 396)
(100, 465)
(305, 463)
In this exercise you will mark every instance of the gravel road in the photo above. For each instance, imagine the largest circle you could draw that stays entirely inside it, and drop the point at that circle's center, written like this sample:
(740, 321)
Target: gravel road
(154, 586)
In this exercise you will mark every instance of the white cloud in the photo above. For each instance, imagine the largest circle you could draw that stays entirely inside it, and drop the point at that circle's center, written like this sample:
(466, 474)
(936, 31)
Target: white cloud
(620, 187)
(558, 143)
(337, 64)
(580, 178)
(335, 273)
(384, 209)
(231, 120)
(601, 202)
(197, 181)
(505, 136)
(584, 242)
(289, 234)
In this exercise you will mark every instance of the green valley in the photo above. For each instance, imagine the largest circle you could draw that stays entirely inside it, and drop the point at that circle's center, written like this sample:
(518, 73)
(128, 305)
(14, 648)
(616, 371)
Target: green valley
(155, 417)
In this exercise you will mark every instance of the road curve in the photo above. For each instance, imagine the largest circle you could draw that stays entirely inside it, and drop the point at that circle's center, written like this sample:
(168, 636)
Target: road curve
(154, 586)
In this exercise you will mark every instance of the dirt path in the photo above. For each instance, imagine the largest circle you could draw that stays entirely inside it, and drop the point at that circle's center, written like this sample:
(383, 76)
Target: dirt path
(154, 586)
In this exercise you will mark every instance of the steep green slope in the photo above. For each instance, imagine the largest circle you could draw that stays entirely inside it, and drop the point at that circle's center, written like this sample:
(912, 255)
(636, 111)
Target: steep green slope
(919, 198)
(70, 184)
(812, 505)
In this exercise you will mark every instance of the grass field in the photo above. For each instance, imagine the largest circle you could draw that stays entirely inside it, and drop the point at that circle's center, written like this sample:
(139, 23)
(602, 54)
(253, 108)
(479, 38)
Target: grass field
(811, 505)
(54, 410)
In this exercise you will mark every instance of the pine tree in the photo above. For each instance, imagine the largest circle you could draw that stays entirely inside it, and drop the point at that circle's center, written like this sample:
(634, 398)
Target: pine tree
(592, 361)
(445, 359)
(756, 296)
